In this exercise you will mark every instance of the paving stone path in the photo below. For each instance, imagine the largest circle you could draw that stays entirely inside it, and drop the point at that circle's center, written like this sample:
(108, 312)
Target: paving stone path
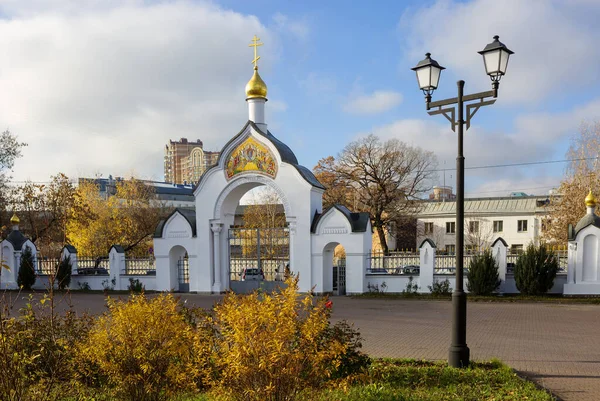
(558, 346)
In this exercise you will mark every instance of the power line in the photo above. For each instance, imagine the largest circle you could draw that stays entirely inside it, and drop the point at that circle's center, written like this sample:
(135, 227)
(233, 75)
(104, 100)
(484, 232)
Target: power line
(519, 164)
(435, 170)
(512, 190)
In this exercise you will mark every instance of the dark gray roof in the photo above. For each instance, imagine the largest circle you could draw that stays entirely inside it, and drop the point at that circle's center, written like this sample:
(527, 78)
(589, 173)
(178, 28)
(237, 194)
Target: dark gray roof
(501, 240)
(118, 248)
(188, 214)
(17, 239)
(427, 241)
(589, 219)
(285, 153)
(358, 221)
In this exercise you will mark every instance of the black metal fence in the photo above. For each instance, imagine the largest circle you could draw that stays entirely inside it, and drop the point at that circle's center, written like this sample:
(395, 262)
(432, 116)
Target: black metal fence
(93, 267)
(265, 251)
(140, 266)
(398, 263)
(46, 266)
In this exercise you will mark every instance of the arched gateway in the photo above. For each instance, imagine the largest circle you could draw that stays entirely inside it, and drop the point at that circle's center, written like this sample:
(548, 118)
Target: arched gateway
(252, 158)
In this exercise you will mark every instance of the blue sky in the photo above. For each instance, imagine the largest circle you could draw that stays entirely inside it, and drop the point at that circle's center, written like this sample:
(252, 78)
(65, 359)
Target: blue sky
(98, 87)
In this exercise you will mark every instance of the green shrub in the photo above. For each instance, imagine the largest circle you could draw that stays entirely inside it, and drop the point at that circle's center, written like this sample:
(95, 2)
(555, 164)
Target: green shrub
(483, 274)
(536, 270)
(440, 288)
(63, 273)
(26, 276)
(352, 360)
(411, 287)
(135, 285)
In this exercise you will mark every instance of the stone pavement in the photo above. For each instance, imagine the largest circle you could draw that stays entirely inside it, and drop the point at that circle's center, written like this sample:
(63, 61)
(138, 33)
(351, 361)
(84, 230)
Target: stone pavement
(558, 346)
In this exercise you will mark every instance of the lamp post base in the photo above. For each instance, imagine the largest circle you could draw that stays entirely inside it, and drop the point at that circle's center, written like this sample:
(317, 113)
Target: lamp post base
(458, 353)
(458, 356)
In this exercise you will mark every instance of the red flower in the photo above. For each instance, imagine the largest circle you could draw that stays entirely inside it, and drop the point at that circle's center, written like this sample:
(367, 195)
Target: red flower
(329, 304)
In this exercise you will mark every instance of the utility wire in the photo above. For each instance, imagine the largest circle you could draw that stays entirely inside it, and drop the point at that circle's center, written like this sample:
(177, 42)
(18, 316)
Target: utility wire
(518, 164)
(429, 171)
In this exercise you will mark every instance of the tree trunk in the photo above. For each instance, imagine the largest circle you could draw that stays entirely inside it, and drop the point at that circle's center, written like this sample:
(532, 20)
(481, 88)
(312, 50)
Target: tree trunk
(382, 241)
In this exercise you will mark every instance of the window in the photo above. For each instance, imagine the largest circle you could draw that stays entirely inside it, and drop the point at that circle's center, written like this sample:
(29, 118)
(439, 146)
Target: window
(470, 249)
(428, 228)
(498, 226)
(522, 226)
(473, 227)
(450, 249)
(516, 248)
(450, 227)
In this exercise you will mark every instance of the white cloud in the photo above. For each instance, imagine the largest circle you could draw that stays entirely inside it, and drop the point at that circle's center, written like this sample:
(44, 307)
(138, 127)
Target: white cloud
(102, 88)
(377, 102)
(554, 43)
(535, 137)
(299, 28)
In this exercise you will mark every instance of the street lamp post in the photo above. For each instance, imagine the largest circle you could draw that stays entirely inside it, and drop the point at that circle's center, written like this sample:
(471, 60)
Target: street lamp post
(495, 57)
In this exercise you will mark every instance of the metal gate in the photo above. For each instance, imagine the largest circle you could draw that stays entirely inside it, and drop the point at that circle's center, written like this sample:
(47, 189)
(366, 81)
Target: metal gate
(258, 258)
(183, 274)
(339, 276)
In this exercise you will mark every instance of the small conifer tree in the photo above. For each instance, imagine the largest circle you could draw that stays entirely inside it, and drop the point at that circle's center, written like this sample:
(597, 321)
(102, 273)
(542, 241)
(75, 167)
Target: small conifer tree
(536, 270)
(483, 274)
(63, 273)
(26, 276)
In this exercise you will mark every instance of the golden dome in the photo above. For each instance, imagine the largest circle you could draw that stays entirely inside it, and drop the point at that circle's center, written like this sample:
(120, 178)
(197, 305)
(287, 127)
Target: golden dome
(14, 220)
(590, 201)
(256, 87)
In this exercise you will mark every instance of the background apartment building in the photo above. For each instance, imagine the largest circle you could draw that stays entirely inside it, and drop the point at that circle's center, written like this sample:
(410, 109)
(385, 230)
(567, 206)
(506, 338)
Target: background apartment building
(519, 220)
(186, 161)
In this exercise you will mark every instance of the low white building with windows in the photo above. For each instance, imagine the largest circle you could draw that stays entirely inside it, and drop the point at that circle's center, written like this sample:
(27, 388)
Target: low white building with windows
(519, 220)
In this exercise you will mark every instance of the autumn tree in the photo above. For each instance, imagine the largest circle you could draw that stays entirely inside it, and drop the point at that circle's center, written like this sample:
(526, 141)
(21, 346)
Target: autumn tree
(338, 190)
(384, 178)
(10, 150)
(44, 211)
(263, 214)
(127, 218)
(582, 174)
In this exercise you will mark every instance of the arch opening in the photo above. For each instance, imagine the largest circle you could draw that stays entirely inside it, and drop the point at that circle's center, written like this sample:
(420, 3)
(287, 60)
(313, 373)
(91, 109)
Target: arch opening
(334, 269)
(179, 268)
(257, 240)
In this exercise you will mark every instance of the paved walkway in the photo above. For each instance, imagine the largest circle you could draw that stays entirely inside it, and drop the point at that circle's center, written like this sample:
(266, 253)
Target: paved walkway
(558, 346)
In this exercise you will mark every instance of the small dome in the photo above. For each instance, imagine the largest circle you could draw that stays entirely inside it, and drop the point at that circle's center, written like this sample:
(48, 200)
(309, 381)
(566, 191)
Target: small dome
(256, 87)
(590, 201)
(14, 220)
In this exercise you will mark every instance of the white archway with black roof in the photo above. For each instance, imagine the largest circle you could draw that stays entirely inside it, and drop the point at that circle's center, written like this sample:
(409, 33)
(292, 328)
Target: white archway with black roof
(252, 158)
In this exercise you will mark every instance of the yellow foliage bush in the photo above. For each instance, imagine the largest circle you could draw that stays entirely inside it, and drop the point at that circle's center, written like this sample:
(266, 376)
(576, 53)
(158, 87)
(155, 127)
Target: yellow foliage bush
(143, 348)
(273, 346)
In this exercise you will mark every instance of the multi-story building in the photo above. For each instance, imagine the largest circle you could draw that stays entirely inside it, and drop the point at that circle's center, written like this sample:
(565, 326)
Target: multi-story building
(186, 161)
(165, 194)
(519, 220)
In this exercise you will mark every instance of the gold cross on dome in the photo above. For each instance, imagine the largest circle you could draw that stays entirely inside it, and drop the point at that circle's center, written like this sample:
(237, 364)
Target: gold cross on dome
(255, 44)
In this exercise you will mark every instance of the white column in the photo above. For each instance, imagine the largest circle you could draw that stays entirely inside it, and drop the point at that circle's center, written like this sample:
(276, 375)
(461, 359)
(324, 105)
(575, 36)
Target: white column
(216, 229)
(292, 229)
(571, 267)
(427, 266)
(256, 112)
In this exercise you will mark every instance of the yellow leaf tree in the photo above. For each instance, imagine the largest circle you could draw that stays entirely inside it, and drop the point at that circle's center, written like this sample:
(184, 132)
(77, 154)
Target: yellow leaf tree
(127, 218)
(583, 174)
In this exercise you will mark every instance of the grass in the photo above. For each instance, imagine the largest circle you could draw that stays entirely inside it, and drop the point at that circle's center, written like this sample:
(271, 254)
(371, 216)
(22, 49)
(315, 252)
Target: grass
(549, 298)
(411, 380)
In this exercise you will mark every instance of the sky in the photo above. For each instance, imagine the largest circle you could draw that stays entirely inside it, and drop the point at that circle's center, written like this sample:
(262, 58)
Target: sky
(98, 87)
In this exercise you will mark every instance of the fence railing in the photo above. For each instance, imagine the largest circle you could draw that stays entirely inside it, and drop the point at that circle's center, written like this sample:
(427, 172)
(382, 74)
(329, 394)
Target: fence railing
(136, 266)
(46, 266)
(89, 266)
(272, 269)
(446, 264)
(394, 263)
